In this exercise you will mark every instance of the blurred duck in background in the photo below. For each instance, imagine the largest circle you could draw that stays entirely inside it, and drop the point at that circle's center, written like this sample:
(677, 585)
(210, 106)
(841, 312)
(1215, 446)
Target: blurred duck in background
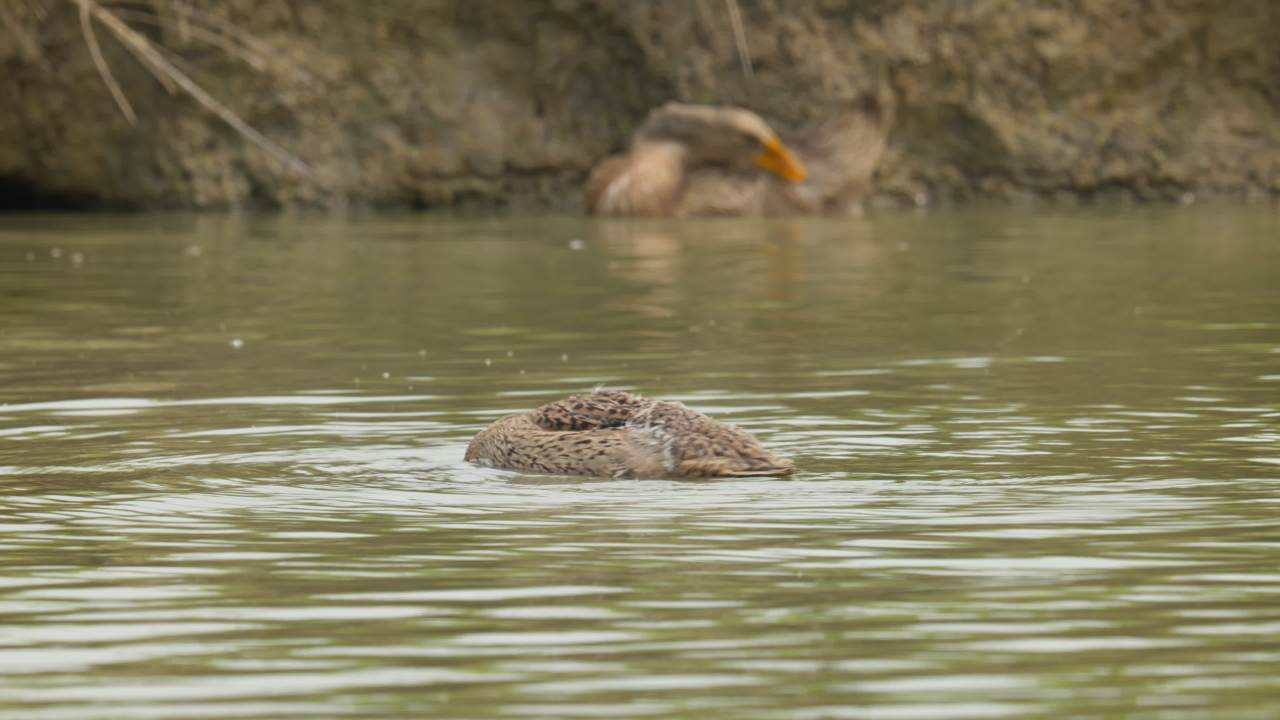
(720, 160)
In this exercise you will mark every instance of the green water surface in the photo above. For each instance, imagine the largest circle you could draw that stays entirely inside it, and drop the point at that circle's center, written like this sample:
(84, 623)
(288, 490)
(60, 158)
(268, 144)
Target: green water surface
(1039, 461)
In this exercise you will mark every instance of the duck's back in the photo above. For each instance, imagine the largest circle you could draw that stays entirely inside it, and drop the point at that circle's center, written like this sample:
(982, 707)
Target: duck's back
(618, 434)
(700, 446)
(600, 409)
(518, 442)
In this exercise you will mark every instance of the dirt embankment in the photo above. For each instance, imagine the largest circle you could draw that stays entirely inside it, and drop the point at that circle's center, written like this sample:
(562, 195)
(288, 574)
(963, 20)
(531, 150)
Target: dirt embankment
(447, 103)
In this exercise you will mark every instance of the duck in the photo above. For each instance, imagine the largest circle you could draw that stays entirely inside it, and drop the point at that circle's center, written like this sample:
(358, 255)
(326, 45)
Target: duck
(618, 434)
(691, 160)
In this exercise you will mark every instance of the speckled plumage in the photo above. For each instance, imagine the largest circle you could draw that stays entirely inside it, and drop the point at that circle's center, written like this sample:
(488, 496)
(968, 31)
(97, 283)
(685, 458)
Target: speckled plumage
(619, 434)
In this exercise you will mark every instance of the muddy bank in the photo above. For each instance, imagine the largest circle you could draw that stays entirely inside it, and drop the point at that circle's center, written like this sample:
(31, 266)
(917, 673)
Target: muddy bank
(455, 103)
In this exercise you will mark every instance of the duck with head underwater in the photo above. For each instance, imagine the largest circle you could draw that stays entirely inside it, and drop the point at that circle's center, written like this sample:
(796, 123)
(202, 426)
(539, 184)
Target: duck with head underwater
(622, 435)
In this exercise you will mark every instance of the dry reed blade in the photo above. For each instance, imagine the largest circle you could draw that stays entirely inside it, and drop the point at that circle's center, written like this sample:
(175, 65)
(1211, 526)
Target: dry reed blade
(258, 47)
(38, 9)
(149, 56)
(740, 38)
(100, 62)
(219, 40)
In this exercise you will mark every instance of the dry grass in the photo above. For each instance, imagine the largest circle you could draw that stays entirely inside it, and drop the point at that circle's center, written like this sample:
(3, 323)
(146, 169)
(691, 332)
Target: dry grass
(17, 17)
(22, 19)
(150, 56)
(740, 39)
(104, 69)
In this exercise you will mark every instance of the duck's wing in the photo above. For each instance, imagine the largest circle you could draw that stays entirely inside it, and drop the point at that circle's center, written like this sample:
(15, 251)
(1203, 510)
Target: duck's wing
(602, 177)
(592, 411)
(516, 442)
(646, 181)
(723, 191)
(702, 447)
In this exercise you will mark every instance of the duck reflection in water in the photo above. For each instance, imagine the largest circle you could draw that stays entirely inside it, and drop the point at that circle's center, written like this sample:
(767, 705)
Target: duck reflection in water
(696, 269)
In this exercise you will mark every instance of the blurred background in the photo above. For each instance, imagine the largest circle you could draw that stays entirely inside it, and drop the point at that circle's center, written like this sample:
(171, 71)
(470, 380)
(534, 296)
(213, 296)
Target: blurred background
(459, 104)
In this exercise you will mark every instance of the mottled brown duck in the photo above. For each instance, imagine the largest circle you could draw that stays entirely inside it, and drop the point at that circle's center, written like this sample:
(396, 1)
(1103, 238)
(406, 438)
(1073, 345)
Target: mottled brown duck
(622, 435)
(719, 160)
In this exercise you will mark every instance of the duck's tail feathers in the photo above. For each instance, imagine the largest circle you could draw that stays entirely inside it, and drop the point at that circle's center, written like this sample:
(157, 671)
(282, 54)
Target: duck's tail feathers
(775, 471)
(723, 467)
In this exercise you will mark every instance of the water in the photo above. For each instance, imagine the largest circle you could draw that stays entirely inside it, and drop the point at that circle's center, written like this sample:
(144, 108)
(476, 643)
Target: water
(1039, 454)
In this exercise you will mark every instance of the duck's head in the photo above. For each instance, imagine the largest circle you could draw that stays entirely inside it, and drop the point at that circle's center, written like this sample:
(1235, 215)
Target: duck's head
(723, 135)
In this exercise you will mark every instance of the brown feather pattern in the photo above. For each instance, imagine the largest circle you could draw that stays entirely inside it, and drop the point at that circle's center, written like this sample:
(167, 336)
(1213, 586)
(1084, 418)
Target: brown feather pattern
(620, 434)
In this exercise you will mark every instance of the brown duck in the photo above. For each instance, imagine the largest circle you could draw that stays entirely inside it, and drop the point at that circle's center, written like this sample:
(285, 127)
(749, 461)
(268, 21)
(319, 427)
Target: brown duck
(708, 160)
(622, 435)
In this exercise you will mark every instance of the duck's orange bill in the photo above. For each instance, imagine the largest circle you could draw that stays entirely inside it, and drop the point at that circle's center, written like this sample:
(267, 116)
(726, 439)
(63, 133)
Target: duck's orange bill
(778, 160)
